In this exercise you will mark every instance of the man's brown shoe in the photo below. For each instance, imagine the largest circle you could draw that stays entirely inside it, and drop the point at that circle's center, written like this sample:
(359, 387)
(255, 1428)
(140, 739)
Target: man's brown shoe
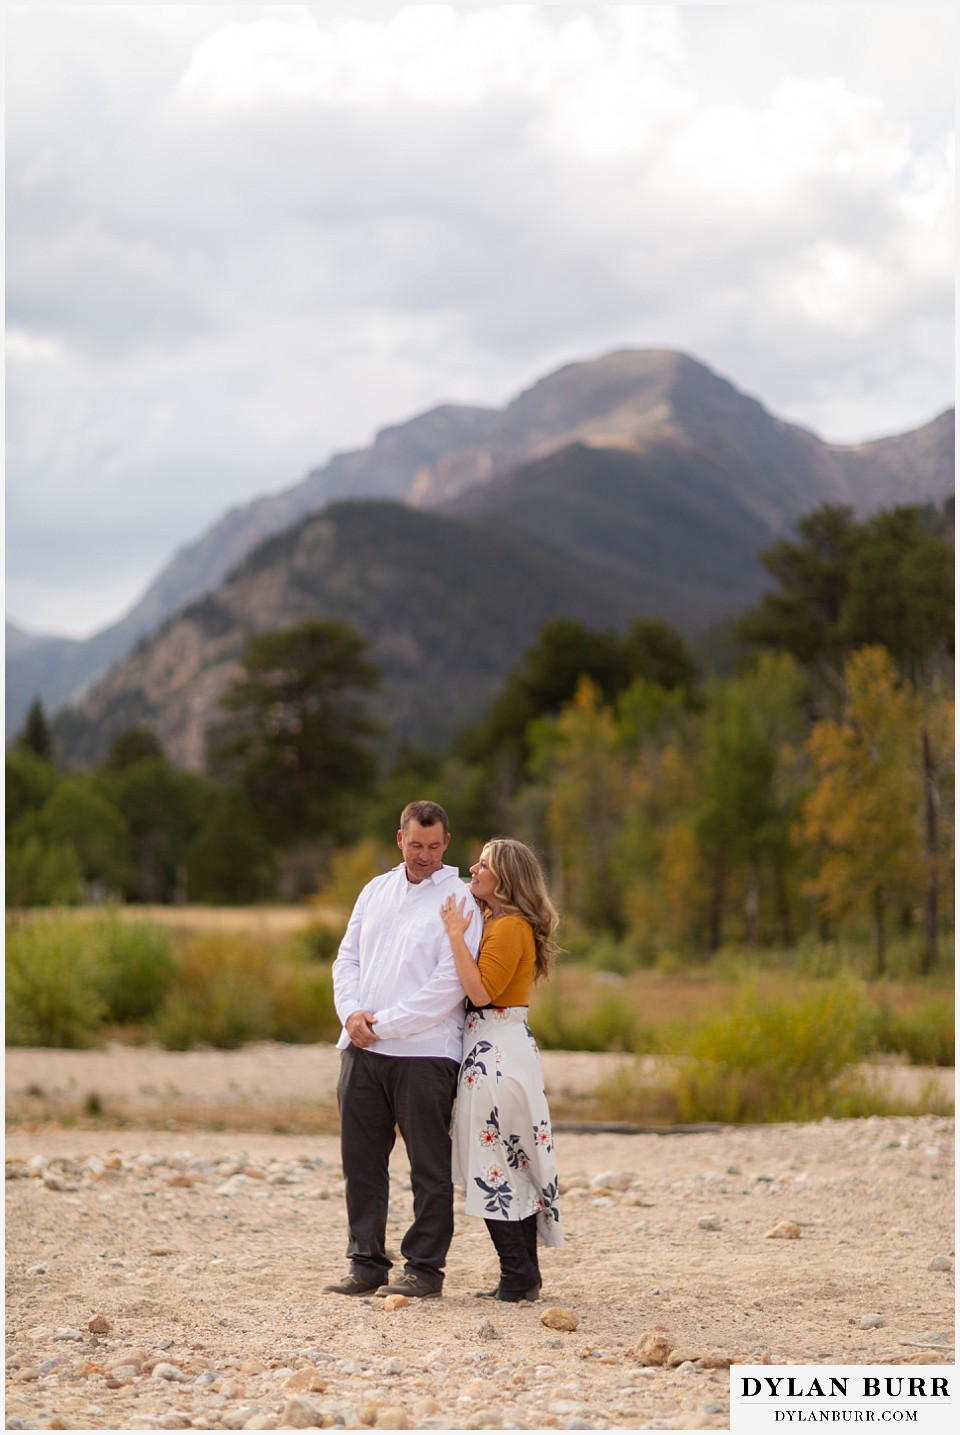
(411, 1285)
(355, 1285)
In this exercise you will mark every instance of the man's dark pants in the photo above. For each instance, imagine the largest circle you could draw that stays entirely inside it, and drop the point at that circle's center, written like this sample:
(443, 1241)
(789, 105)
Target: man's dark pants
(376, 1095)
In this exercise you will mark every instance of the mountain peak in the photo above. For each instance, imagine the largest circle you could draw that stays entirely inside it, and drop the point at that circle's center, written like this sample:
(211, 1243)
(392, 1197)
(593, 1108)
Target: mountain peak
(637, 384)
(632, 400)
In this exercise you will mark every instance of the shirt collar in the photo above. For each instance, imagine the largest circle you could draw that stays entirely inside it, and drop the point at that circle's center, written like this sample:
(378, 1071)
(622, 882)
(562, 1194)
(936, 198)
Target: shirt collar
(442, 874)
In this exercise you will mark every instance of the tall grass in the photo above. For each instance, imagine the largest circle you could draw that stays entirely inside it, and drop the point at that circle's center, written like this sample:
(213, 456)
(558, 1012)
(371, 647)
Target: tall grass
(663, 1008)
(610, 1025)
(924, 1034)
(735, 1041)
(65, 978)
(746, 1039)
(230, 991)
(71, 981)
(303, 1004)
(223, 996)
(763, 1060)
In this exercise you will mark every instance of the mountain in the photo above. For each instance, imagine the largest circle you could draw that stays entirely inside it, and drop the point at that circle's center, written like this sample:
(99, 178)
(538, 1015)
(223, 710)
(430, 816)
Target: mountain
(628, 398)
(388, 468)
(17, 641)
(450, 600)
(907, 468)
(643, 402)
(659, 519)
(52, 668)
(447, 603)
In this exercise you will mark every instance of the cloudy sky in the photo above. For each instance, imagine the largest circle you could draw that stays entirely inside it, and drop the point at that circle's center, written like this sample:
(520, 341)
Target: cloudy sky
(241, 238)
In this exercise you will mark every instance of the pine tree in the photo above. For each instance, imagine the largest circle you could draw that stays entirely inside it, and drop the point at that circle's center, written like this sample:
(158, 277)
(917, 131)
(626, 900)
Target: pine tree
(296, 735)
(35, 736)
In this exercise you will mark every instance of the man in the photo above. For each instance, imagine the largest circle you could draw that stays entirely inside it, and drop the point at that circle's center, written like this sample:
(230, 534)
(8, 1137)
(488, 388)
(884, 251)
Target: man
(397, 993)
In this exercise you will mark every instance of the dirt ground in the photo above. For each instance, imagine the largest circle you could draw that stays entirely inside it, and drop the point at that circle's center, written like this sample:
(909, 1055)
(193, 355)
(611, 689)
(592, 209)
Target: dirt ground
(198, 1256)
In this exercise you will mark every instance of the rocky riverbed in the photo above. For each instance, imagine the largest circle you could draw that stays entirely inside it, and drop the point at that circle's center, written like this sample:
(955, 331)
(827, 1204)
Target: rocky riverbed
(172, 1280)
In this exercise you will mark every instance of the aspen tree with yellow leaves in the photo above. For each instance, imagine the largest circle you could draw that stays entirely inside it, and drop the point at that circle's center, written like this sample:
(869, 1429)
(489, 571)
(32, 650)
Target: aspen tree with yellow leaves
(581, 750)
(864, 812)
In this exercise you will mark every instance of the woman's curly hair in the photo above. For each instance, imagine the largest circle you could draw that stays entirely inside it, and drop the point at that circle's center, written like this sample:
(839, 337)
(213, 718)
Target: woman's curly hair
(522, 888)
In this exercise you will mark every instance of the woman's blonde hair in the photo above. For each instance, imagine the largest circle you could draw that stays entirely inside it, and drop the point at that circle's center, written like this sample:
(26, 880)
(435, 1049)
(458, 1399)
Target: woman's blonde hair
(522, 888)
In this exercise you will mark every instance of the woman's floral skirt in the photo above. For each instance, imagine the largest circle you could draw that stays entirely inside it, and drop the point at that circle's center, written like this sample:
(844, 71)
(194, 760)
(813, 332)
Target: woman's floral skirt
(503, 1155)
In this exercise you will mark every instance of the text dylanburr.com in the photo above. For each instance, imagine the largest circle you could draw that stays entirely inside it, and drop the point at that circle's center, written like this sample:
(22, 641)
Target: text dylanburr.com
(765, 1398)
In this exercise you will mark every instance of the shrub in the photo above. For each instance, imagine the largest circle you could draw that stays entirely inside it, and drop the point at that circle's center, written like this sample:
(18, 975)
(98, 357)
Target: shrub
(318, 942)
(738, 964)
(668, 963)
(229, 991)
(926, 1036)
(224, 995)
(576, 940)
(607, 954)
(42, 874)
(135, 969)
(773, 1060)
(609, 1026)
(304, 1010)
(352, 868)
(52, 993)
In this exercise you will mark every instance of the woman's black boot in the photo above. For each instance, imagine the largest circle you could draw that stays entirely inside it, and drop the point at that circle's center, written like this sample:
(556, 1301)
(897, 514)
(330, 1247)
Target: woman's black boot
(529, 1227)
(519, 1274)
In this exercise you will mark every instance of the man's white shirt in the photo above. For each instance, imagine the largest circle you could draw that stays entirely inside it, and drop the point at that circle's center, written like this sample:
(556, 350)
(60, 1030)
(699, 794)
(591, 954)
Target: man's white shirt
(395, 960)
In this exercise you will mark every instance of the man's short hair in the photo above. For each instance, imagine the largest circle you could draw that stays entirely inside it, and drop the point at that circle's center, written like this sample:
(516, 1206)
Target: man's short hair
(428, 814)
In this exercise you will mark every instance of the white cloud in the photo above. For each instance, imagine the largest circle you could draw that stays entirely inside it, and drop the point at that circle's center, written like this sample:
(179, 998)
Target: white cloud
(243, 237)
(440, 56)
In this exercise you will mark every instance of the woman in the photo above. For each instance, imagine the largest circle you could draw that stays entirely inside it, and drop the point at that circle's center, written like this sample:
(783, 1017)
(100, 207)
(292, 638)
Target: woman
(503, 1156)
